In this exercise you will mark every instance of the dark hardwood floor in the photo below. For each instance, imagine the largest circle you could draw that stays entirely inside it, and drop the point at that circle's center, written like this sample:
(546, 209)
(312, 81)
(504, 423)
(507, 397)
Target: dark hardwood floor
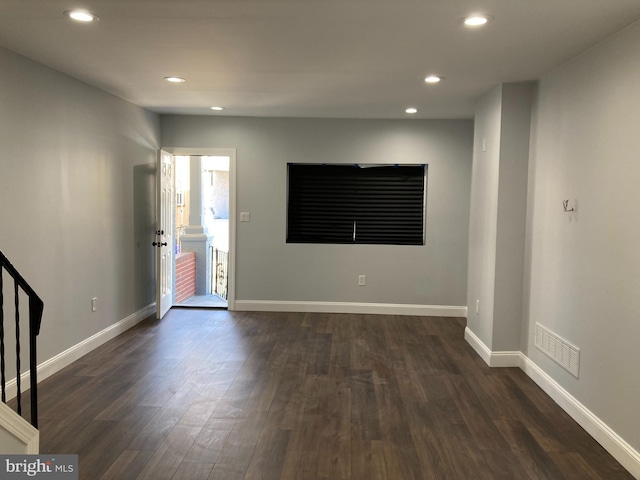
(223, 395)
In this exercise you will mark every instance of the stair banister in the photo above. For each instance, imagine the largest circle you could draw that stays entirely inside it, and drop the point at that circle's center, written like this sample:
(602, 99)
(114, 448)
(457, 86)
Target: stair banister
(36, 308)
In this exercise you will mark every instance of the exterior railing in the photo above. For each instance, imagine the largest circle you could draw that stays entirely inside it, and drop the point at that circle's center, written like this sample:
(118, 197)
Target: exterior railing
(219, 272)
(36, 307)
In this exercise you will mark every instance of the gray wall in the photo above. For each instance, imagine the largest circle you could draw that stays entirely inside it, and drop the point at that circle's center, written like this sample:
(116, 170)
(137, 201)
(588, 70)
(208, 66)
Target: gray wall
(584, 268)
(498, 215)
(483, 222)
(511, 219)
(270, 269)
(76, 199)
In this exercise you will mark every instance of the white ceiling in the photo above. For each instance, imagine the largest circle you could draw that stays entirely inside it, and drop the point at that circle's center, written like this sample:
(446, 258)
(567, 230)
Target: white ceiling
(308, 58)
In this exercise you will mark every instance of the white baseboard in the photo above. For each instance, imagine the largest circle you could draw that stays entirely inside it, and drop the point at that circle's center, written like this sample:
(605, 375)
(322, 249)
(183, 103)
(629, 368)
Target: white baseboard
(57, 363)
(350, 307)
(600, 431)
(478, 345)
(604, 435)
(493, 359)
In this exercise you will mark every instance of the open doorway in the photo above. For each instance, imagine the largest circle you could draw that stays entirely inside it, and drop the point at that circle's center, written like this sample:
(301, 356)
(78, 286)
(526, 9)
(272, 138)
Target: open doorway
(203, 223)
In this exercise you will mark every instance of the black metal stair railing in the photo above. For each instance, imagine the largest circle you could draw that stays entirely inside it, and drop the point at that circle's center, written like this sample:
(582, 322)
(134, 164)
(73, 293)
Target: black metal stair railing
(36, 307)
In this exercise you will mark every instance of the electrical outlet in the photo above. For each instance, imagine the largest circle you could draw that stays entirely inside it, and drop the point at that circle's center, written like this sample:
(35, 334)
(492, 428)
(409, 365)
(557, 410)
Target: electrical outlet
(477, 307)
(94, 304)
(245, 216)
(362, 280)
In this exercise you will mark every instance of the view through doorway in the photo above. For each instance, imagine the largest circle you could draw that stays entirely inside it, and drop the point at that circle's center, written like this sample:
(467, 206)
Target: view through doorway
(202, 231)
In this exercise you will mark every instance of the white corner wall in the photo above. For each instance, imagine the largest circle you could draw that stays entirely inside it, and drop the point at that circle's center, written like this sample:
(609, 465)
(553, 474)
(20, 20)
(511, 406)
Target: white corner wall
(272, 274)
(77, 169)
(584, 267)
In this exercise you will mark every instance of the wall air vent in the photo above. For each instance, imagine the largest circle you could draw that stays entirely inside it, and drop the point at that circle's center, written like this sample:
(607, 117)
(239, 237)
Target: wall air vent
(565, 354)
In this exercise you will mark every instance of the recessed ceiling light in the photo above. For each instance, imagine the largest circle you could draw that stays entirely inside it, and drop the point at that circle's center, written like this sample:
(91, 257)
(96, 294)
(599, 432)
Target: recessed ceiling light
(175, 79)
(433, 79)
(81, 16)
(476, 20)
(411, 110)
(217, 109)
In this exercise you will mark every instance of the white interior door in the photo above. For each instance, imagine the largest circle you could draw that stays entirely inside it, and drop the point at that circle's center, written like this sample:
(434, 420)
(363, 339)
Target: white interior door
(165, 212)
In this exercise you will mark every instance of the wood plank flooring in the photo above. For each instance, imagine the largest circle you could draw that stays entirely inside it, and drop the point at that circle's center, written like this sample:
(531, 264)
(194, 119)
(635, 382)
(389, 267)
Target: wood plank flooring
(207, 394)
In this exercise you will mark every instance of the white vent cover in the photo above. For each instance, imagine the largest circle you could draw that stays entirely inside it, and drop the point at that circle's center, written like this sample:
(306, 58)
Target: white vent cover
(565, 354)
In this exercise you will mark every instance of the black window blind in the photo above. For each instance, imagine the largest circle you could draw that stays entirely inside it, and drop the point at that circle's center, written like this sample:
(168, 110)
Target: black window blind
(353, 204)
